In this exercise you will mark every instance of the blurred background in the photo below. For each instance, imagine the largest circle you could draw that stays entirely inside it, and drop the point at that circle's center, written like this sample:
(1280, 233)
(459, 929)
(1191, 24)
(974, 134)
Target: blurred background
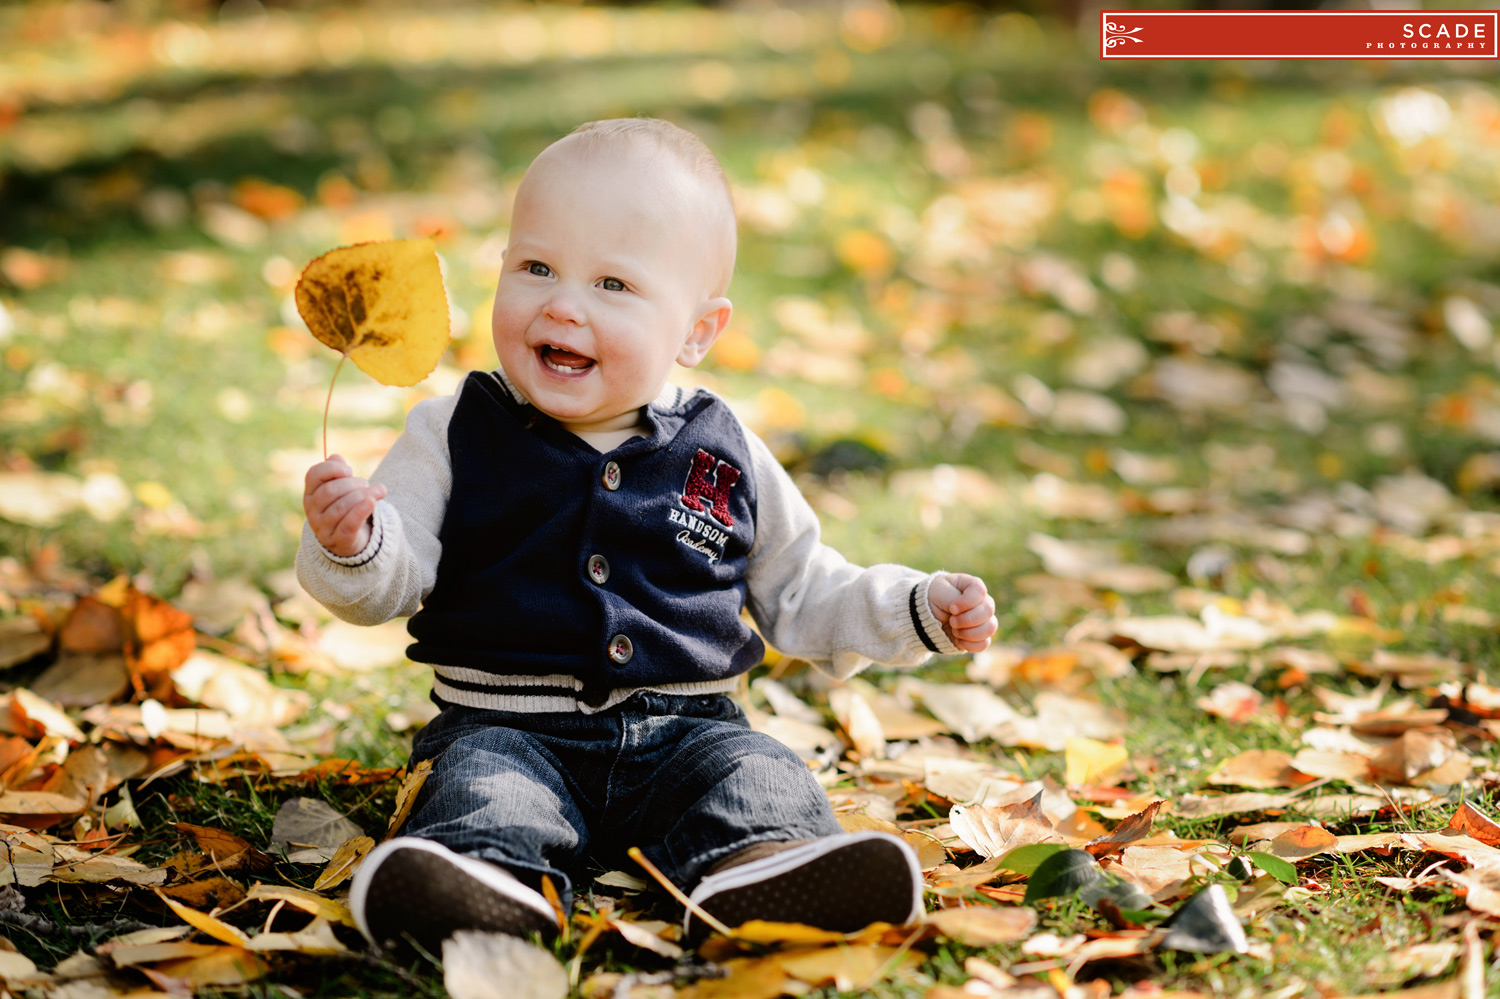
(990, 287)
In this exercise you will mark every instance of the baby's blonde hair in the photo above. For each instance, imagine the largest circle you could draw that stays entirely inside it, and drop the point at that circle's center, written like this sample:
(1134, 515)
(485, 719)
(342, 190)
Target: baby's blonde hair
(690, 152)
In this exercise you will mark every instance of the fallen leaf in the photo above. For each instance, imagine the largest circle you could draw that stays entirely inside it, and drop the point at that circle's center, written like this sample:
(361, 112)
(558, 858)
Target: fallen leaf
(225, 966)
(1413, 753)
(158, 639)
(1233, 701)
(1206, 924)
(1471, 822)
(1137, 826)
(204, 923)
(1259, 769)
(748, 978)
(1481, 886)
(319, 905)
(316, 938)
(1303, 842)
(1348, 767)
(310, 831)
(101, 868)
(1089, 761)
(992, 832)
(848, 969)
(22, 639)
(37, 716)
(382, 305)
(499, 966)
(984, 926)
(406, 796)
(344, 863)
(646, 938)
(92, 627)
(1427, 960)
(77, 680)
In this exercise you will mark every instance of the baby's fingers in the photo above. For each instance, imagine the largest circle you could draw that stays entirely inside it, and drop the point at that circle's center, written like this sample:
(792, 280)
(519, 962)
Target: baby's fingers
(974, 616)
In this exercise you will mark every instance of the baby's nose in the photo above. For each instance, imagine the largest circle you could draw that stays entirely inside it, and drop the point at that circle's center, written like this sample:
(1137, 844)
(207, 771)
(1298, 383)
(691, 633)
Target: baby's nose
(563, 307)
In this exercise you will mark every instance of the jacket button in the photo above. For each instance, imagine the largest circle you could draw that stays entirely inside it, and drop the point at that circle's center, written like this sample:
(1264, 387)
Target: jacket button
(611, 476)
(598, 569)
(620, 649)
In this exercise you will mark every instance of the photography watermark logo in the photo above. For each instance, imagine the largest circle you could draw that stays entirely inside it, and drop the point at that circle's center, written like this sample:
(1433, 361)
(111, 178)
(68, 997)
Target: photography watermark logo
(1300, 34)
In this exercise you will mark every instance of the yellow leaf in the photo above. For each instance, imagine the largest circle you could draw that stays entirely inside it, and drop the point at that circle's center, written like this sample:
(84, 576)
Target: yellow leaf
(406, 796)
(314, 938)
(326, 908)
(380, 304)
(202, 921)
(849, 969)
(1090, 761)
(344, 862)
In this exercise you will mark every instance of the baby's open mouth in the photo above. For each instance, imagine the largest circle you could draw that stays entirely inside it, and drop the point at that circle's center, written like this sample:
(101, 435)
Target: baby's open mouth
(565, 361)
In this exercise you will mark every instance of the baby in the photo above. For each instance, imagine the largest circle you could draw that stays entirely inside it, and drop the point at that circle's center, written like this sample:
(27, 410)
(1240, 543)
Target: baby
(576, 540)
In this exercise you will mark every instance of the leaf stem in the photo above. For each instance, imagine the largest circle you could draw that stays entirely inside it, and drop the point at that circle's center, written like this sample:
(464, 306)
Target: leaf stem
(328, 401)
(635, 854)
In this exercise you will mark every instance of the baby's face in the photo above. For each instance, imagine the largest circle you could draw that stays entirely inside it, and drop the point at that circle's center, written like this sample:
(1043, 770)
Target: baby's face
(602, 287)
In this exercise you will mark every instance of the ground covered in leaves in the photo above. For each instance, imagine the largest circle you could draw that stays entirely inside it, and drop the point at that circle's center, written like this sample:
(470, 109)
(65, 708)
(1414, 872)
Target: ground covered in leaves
(1196, 364)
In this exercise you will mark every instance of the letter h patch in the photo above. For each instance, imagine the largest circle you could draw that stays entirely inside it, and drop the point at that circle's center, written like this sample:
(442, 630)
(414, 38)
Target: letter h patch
(698, 489)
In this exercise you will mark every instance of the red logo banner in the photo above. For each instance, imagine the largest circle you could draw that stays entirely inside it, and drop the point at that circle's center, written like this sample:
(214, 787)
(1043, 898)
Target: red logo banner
(1245, 34)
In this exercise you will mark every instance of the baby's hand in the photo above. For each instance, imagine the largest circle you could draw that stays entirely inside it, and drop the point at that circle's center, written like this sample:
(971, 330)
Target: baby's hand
(965, 609)
(338, 506)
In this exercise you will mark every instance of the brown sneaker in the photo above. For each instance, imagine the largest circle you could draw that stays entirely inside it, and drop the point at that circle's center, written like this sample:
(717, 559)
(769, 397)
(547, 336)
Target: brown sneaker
(843, 883)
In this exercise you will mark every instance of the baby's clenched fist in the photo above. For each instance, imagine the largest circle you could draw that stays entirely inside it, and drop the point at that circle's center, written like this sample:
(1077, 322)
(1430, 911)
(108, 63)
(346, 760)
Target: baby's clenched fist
(965, 609)
(339, 505)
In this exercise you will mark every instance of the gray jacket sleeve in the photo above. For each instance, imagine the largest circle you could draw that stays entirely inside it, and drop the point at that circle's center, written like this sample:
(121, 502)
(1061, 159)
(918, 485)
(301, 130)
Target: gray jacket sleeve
(398, 567)
(812, 603)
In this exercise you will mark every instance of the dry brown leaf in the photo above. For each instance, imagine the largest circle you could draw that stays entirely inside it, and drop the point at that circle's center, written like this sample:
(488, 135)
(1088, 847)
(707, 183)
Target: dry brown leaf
(78, 680)
(1471, 822)
(216, 892)
(1258, 769)
(101, 868)
(1393, 722)
(928, 848)
(991, 832)
(311, 831)
(1415, 752)
(85, 776)
(22, 639)
(158, 639)
(344, 863)
(1137, 826)
(1157, 870)
(35, 716)
(1350, 767)
(491, 965)
(38, 805)
(1481, 887)
(984, 926)
(93, 627)
(857, 718)
(1200, 806)
(1303, 842)
(382, 305)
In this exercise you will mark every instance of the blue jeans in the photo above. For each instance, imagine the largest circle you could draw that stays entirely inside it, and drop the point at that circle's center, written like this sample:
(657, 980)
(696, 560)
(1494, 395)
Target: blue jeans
(683, 778)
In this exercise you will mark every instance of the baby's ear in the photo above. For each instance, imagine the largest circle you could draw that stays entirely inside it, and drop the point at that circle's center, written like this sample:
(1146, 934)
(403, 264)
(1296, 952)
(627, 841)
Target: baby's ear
(711, 322)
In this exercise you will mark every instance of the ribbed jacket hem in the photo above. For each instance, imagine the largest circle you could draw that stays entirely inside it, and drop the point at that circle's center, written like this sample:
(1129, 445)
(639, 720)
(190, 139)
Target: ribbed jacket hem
(472, 688)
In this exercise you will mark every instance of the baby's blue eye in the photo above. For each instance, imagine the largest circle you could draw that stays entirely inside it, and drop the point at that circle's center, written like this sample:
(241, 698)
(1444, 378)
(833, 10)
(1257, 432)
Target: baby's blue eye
(613, 284)
(539, 269)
